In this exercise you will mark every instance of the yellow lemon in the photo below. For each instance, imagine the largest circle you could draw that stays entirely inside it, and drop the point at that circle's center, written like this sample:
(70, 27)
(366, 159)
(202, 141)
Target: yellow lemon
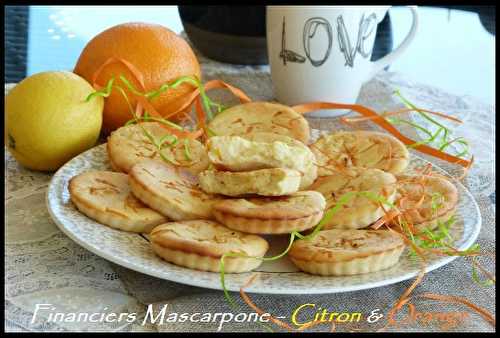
(48, 121)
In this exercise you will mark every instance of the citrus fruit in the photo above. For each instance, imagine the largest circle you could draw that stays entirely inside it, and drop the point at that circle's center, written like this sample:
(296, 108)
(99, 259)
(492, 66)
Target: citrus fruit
(157, 52)
(48, 121)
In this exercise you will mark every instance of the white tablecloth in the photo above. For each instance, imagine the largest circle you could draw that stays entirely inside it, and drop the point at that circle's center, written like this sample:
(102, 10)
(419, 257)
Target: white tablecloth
(42, 265)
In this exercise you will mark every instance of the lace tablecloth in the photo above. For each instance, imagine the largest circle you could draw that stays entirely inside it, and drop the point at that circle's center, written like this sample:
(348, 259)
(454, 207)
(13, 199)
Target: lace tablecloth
(43, 266)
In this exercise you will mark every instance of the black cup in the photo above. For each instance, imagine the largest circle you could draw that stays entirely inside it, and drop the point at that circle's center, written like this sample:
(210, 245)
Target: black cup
(233, 34)
(237, 34)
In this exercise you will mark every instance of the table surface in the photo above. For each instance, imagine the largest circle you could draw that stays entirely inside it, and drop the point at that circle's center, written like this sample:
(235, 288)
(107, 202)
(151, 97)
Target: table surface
(452, 49)
(44, 266)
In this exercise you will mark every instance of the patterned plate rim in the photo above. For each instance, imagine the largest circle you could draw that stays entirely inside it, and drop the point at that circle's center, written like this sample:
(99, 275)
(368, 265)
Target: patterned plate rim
(277, 288)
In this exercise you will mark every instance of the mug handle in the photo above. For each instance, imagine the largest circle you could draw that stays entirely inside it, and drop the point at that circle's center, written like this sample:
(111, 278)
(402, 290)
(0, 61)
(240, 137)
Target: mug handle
(392, 56)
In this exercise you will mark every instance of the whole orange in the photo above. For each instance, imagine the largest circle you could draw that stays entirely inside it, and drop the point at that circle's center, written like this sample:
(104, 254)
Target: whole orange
(157, 52)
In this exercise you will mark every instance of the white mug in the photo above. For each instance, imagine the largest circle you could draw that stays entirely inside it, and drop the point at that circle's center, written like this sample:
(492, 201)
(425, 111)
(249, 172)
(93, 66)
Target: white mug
(322, 53)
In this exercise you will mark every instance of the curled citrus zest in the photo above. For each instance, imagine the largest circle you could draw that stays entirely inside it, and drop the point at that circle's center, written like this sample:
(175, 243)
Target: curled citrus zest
(234, 90)
(144, 104)
(210, 132)
(113, 60)
(327, 216)
(466, 169)
(388, 216)
(420, 111)
(444, 227)
(186, 119)
(129, 85)
(104, 92)
(447, 144)
(187, 153)
(188, 100)
(437, 200)
(396, 121)
(146, 133)
(147, 118)
(259, 311)
(203, 106)
(382, 122)
(345, 121)
(153, 112)
(139, 110)
(414, 206)
(177, 82)
(490, 278)
(432, 242)
(407, 235)
(401, 111)
(444, 139)
(164, 140)
(404, 298)
(431, 139)
(424, 170)
(465, 144)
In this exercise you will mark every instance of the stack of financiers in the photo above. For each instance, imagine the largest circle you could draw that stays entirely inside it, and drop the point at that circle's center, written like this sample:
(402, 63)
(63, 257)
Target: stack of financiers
(256, 176)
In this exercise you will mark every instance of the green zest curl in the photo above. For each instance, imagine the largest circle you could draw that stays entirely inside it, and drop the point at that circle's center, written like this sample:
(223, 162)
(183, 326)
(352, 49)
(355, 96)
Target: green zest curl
(475, 277)
(187, 153)
(438, 238)
(441, 134)
(436, 202)
(168, 140)
(158, 145)
(343, 200)
(210, 132)
(105, 92)
(156, 119)
(206, 100)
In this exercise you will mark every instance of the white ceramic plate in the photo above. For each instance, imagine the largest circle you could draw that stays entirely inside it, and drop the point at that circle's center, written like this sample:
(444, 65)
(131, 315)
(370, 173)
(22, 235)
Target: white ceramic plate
(277, 277)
